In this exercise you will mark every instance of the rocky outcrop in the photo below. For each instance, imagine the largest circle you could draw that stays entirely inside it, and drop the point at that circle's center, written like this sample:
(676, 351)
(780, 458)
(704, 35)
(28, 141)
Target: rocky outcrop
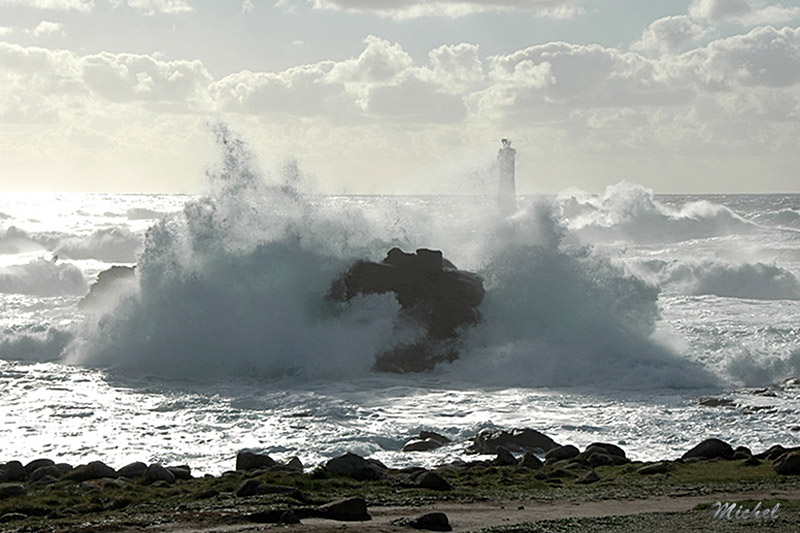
(346, 510)
(356, 467)
(788, 464)
(516, 440)
(427, 440)
(431, 291)
(710, 449)
(247, 460)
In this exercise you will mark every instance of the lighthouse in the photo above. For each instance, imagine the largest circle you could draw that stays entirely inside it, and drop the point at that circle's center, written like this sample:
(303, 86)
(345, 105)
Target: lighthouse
(507, 193)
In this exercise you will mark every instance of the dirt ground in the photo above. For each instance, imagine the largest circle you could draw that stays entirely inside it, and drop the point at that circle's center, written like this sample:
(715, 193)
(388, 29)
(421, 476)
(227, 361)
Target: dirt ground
(646, 514)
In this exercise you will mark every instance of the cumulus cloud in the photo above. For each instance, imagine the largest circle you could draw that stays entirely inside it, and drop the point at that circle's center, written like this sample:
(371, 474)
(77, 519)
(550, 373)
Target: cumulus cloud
(380, 62)
(248, 6)
(723, 96)
(670, 35)
(154, 7)
(301, 91)
(571, 77)
(126, 77)
(47, 28)
(766, 57)
(6, 30)
(55, 5)
(747, 12)
(456, 67)
(412, 9)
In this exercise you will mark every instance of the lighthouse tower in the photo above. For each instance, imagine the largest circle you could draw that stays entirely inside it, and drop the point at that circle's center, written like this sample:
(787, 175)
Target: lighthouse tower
(507, 193)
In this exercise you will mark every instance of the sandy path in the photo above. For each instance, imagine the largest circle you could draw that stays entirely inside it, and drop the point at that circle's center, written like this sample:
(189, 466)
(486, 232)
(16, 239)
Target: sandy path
(471, 517)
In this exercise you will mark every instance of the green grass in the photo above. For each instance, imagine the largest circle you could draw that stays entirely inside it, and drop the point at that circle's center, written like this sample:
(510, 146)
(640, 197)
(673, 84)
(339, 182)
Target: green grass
(136, 505)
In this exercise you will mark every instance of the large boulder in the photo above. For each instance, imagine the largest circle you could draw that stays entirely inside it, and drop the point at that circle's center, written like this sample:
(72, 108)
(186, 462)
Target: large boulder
(788, 465)
(247, 460)
(12, 471)
(710, 449)
(356, 467)
(431, 291)
(516, 440)
(93, 470)
(348, 510)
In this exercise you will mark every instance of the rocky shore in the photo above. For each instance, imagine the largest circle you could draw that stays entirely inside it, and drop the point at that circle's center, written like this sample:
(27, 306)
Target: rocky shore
(521, 480)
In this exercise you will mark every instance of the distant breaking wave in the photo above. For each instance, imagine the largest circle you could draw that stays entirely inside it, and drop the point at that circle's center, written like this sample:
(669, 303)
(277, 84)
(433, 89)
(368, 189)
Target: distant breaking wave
(112, 245)
(757, 281)
(43, 278)
(629, 212)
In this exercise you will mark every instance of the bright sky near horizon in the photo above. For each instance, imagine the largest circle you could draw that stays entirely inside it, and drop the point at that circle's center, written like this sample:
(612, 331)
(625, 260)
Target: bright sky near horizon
(402, 96)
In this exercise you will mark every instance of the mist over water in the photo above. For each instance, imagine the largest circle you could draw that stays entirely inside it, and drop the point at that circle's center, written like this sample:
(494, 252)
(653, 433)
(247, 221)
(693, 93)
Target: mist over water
(235, 285)
(605, 318)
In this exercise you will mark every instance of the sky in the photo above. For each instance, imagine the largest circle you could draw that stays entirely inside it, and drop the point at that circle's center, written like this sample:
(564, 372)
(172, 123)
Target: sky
(402, 96)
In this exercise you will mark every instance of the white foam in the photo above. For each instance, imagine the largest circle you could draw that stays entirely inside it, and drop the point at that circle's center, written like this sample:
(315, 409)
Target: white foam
(41, 277)
(629, 212)
(747, 280)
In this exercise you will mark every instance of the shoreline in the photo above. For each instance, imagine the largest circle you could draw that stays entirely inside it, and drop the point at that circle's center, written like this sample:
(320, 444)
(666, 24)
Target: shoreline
(597, 489)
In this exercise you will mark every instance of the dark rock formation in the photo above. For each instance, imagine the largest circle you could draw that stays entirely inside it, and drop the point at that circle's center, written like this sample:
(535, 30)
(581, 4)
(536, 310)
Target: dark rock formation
(155, 472)
(347, 510)
(530, 461)
(504, 458)
(431, 291)
(560, 453)
(109, 283)
(251, 487)
(710, 449)
(516, 440)
(602, 453)
(431, 480)
(12, 471)
(788, 465)
(427, 440)
(133, 470)
(431, 522)
(246, 460)
(180, 472)
(93, 470)
(351, 465)
(37, 464)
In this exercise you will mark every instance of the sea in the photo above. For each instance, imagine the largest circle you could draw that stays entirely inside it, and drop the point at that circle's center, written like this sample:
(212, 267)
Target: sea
(645, 320)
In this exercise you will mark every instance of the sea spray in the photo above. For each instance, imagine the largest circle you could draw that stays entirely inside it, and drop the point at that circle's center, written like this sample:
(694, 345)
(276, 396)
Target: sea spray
(629, 212)
(559, 314)
(235, 286)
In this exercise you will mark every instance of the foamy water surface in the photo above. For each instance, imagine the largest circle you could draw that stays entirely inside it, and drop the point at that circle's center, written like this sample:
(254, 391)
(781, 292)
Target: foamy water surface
(606, 319)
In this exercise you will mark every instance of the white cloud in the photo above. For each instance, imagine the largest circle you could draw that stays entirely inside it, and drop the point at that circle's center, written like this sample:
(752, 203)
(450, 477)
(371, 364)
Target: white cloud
(302, 91)
(720, 101)
(456, 67)
(55, 5)
(412, 9)
(747, 12)
(131, 77)
(6, 30)
(380, 62)
(154, 7)
(670, 35)
(47, 28)
(248, 6)
(765, 57)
